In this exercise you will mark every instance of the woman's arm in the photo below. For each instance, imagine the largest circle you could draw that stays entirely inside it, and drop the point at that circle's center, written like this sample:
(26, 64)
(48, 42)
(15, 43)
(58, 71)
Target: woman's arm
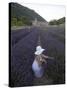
(47, 57)
(44, 56)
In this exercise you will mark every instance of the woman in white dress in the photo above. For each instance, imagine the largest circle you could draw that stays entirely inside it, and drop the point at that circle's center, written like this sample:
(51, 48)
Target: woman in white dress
(40, 58)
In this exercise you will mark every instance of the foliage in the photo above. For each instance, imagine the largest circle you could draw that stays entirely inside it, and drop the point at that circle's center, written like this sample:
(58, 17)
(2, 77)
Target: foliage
(57, 22)
(20, 21)
(23, 15)
(13, 21)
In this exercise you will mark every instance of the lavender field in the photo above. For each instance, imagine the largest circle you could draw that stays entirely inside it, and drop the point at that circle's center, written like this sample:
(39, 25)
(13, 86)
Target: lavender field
(23, 46)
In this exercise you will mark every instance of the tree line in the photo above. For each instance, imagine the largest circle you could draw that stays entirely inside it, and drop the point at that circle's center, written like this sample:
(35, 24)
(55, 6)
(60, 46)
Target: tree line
(57, 22)
(22, 21)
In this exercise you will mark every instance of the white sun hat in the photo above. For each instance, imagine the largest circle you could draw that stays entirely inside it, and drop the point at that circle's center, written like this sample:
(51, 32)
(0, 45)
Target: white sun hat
(39, 50)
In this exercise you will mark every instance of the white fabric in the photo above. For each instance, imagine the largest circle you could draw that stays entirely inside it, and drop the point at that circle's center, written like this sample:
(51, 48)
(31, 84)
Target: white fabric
(38, 70)
(39, 50)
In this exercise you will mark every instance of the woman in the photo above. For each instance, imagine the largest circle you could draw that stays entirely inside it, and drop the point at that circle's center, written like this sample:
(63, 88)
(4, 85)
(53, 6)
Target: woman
(40, 58)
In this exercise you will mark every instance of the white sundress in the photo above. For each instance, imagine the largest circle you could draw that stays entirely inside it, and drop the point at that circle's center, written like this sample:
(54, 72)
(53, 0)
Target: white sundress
(38, 70)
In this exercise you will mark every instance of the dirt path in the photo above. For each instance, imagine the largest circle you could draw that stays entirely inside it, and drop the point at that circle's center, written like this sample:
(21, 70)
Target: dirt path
(44, 80)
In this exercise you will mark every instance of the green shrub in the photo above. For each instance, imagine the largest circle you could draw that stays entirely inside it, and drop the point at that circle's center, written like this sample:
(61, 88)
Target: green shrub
(20, 21)
(13, 21)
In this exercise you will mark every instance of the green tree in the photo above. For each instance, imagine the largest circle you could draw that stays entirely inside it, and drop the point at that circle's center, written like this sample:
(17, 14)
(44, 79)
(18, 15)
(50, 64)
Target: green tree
(20, 23)
(13, 21)
(57, 22)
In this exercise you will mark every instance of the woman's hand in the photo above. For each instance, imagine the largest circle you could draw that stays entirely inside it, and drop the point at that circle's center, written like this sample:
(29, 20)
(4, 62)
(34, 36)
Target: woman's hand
(51, 57)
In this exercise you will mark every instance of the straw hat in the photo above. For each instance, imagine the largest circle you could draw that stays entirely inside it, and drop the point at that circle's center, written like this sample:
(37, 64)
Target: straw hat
(39, 50)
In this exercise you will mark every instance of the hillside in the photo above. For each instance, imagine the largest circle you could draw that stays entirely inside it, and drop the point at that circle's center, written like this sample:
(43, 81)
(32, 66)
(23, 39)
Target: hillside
(19, 12)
